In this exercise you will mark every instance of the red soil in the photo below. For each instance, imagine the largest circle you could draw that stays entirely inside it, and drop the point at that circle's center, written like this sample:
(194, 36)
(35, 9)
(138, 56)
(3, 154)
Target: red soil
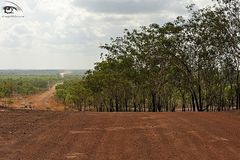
(42, 135)
(40, 101)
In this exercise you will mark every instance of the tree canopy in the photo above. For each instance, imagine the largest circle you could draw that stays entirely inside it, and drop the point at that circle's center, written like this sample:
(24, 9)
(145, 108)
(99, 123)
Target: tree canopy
(189, 64)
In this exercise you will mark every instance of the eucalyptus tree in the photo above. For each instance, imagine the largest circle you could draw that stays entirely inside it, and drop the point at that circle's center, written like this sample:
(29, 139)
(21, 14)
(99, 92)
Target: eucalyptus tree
(197, 51)
(194, 61)
(231, 11)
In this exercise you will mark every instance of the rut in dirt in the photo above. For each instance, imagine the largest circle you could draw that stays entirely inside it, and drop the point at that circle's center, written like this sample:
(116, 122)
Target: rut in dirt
(41, 135)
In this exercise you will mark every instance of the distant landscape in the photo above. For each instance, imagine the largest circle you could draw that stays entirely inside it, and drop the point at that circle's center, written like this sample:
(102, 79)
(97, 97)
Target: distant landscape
(33, 89)
(41, 72)
(163, 89)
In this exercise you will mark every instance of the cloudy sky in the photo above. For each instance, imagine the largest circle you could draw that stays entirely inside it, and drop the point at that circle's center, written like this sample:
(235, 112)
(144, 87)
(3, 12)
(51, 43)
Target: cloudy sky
(65, 34)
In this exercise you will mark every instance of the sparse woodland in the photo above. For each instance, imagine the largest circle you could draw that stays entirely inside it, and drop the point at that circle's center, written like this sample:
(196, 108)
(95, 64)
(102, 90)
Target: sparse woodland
(190, 64)
(24, 85)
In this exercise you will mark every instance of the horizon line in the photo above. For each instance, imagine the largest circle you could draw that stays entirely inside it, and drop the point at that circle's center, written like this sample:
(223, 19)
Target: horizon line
(44, 69)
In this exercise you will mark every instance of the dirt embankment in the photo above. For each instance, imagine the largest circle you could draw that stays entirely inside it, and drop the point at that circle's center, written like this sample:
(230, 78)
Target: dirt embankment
(42, 135)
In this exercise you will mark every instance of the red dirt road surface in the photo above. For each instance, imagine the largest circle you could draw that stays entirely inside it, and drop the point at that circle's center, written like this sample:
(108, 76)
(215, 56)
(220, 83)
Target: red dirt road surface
(43, 135)
(40, 101)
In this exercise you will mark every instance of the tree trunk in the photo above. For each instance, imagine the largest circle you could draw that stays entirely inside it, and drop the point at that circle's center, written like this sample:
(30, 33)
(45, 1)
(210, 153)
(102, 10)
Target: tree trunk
(126, 104)
(154, 94)
(135, 106)
(144, 105)
(183, 103)
(111, 105)
(159, 104)
(200, 108)
(237, 98)
(193, 103)
(116, 103)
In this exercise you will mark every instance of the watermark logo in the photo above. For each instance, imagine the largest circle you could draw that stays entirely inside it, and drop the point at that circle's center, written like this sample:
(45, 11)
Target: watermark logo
(12, 10)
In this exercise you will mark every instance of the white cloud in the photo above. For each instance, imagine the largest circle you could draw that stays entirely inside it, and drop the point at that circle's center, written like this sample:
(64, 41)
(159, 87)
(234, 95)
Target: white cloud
(66, 33)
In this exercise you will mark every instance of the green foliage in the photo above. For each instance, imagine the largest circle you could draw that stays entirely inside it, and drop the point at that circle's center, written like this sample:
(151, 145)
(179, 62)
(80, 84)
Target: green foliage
(24, 85)
(190, 62)
(72, 93)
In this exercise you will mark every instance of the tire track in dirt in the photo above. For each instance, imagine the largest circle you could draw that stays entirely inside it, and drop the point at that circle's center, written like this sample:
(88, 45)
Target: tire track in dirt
(23, 127)
(61, 139)
(41, 101)
(215, 134)
(49, 139)
(120, 136)
(205, 137)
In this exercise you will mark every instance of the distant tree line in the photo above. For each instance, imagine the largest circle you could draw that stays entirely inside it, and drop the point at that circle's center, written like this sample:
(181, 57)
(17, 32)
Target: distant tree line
(22, 86)
(191, 64)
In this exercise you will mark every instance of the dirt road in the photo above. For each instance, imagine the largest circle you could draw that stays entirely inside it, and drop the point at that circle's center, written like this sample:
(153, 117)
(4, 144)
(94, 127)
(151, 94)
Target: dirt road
(40, 101)
(42, 135)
